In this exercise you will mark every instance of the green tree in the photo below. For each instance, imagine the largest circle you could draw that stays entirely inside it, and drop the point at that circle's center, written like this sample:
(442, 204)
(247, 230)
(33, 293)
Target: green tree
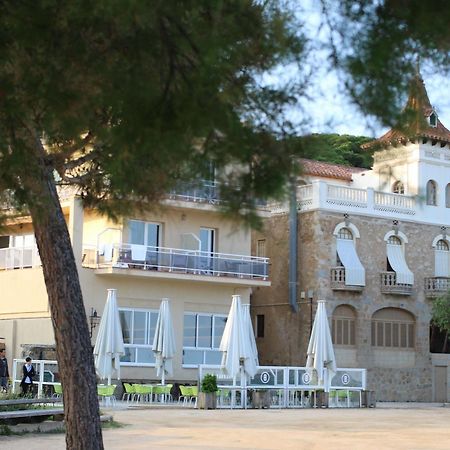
(441, 317)
(122, 100)
(334, 148)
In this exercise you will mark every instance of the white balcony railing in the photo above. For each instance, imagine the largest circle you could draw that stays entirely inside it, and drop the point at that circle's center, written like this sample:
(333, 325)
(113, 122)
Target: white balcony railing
(128, 256)
(338, 280)
(436, 286)
(346, 196)
(19, 258)
(205, 191)
(389, 285)
(385, 201)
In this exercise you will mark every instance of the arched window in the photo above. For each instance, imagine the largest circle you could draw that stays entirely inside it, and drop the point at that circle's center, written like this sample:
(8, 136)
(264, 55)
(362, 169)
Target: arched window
(396, 262)
(393, 328)
(447, 196)
(398, 188)
(441, 259)
(394, 240)
(432, 193)
(433, 119)
(353, 273)
(343, 325)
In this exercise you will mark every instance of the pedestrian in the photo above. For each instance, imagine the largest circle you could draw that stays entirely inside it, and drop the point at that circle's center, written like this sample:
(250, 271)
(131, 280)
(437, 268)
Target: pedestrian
(4, 372)
(28, 374)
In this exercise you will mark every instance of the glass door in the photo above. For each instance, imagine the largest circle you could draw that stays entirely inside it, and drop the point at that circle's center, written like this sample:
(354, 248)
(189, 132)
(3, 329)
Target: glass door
(207, 247)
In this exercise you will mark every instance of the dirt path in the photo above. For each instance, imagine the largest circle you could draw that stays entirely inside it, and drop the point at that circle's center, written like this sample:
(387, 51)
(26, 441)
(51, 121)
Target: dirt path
(349, 429)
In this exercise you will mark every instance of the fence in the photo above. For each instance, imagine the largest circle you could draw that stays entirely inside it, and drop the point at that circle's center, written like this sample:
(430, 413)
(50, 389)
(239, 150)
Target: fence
(288, 387)
(47, 375)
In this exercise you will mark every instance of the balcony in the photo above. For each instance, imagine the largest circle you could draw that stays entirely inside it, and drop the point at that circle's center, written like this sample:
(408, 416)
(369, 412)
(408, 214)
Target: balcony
(19, 258)
(389, 285)
(436, 286)
(338, 281)
(205, 191)
(163, 262)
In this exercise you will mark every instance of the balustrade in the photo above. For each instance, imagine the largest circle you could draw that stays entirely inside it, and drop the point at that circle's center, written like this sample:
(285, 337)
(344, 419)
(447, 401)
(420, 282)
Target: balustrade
(389, 285)
(436, 286)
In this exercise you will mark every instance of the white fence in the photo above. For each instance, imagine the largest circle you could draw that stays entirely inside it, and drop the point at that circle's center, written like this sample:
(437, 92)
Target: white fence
(47, 375)
(19, 258)
(289, 387)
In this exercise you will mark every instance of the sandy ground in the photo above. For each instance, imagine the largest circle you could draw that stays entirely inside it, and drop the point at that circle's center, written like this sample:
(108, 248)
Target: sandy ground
(385, 427)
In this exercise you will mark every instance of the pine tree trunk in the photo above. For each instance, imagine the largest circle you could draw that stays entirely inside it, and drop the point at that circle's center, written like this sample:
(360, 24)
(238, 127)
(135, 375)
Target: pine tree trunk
(73, 345)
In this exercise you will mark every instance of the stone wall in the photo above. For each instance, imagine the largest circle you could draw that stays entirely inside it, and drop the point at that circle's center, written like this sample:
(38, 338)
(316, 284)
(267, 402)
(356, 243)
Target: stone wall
(287, 333)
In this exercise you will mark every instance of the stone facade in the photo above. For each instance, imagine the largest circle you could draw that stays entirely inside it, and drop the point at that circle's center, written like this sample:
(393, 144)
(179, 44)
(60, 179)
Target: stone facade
(395, 374)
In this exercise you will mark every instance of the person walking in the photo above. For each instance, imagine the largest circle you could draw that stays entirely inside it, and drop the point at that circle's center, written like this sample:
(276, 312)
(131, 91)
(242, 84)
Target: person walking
(28, 374)
(4, 371)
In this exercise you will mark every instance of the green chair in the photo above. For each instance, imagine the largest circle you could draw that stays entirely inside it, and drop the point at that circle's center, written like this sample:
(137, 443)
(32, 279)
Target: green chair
(194, 395)
(143, 392)
(163, 392)
(185, 394)
(58, 390)
(129, 392)
(106, 394)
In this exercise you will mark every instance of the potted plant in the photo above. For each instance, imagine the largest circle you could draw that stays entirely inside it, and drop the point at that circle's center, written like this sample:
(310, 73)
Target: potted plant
(207, 397)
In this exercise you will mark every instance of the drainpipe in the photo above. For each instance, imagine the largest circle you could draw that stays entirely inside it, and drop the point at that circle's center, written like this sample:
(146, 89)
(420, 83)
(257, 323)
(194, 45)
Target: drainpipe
(293, 225)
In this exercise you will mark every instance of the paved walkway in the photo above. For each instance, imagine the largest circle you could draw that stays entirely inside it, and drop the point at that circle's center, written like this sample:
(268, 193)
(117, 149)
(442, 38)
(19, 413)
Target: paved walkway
(389, 426)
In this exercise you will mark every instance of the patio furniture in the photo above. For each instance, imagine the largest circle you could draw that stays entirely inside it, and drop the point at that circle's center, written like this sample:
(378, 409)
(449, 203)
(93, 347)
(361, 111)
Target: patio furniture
(106, 395)
(58, 390)
(185, 395)
(163, 392)
(129, 392)
(143, 392)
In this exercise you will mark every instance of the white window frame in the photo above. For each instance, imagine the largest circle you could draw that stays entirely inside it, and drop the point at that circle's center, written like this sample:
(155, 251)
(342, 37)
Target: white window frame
(146, 223)
(214, 345)
(147, 333)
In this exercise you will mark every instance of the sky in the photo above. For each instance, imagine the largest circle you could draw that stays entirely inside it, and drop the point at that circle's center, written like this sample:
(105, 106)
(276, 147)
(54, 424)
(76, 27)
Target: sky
(330, 110)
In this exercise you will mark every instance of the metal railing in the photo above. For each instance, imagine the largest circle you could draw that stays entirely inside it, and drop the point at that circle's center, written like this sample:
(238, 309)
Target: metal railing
(129, 256)
(47, 375)
(435, 286)
(288, 387)
(337, 277)
(204, 191)
(19, 258)
(389, 285)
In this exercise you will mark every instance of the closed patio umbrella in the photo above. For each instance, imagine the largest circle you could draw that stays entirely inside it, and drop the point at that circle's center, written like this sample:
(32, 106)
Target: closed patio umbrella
(321, 356)
(164, 342)
(109, 343)
(238, 343)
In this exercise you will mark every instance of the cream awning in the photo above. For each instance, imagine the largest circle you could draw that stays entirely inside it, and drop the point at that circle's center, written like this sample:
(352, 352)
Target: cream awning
(397, 261)
(354, 271)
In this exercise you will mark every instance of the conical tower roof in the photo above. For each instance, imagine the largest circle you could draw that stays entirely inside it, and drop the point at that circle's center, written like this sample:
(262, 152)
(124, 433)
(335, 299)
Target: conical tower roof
(418, 120)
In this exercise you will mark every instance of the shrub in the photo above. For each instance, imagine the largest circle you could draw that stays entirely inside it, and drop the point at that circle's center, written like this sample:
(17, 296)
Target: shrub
(209, 383)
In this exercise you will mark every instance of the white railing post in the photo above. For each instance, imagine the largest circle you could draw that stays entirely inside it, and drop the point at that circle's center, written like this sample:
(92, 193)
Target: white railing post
(41, 378)
(370, 199)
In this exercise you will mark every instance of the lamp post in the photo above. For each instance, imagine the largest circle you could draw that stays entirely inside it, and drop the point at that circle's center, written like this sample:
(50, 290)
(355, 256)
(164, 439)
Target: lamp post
(94, 320)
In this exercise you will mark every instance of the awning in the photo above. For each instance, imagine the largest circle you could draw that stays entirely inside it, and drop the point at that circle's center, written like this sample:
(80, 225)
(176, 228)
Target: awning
(441, 263)
(397, 261)
(354, 270)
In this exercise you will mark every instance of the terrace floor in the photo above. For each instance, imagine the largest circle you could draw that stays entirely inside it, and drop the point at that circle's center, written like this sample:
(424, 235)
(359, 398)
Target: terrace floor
(388, 426)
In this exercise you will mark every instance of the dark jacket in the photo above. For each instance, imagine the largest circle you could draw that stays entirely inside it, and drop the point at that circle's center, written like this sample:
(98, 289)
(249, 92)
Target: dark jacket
(4, 372)
(26, 374)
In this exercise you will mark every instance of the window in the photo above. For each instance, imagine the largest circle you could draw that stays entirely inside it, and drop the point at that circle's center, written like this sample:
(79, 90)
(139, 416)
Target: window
(144, 233)
(207, 247)
(138, 329)
(346, 255)
(396, 258)
(393, 328)
(343, 325)
(433, 119)
(432, 193)
(202, 334)
(22, 241)
(441, 259)
(398, 188)
(260, 325)
(447, 196)
(261, 248)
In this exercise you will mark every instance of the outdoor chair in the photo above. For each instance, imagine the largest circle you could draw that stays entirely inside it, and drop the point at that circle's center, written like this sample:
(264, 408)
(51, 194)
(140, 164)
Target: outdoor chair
(185, 395)
(143, 392)
(163, 393)
(106, 394)
(194, 395)
(129, 393)
(58, 390)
